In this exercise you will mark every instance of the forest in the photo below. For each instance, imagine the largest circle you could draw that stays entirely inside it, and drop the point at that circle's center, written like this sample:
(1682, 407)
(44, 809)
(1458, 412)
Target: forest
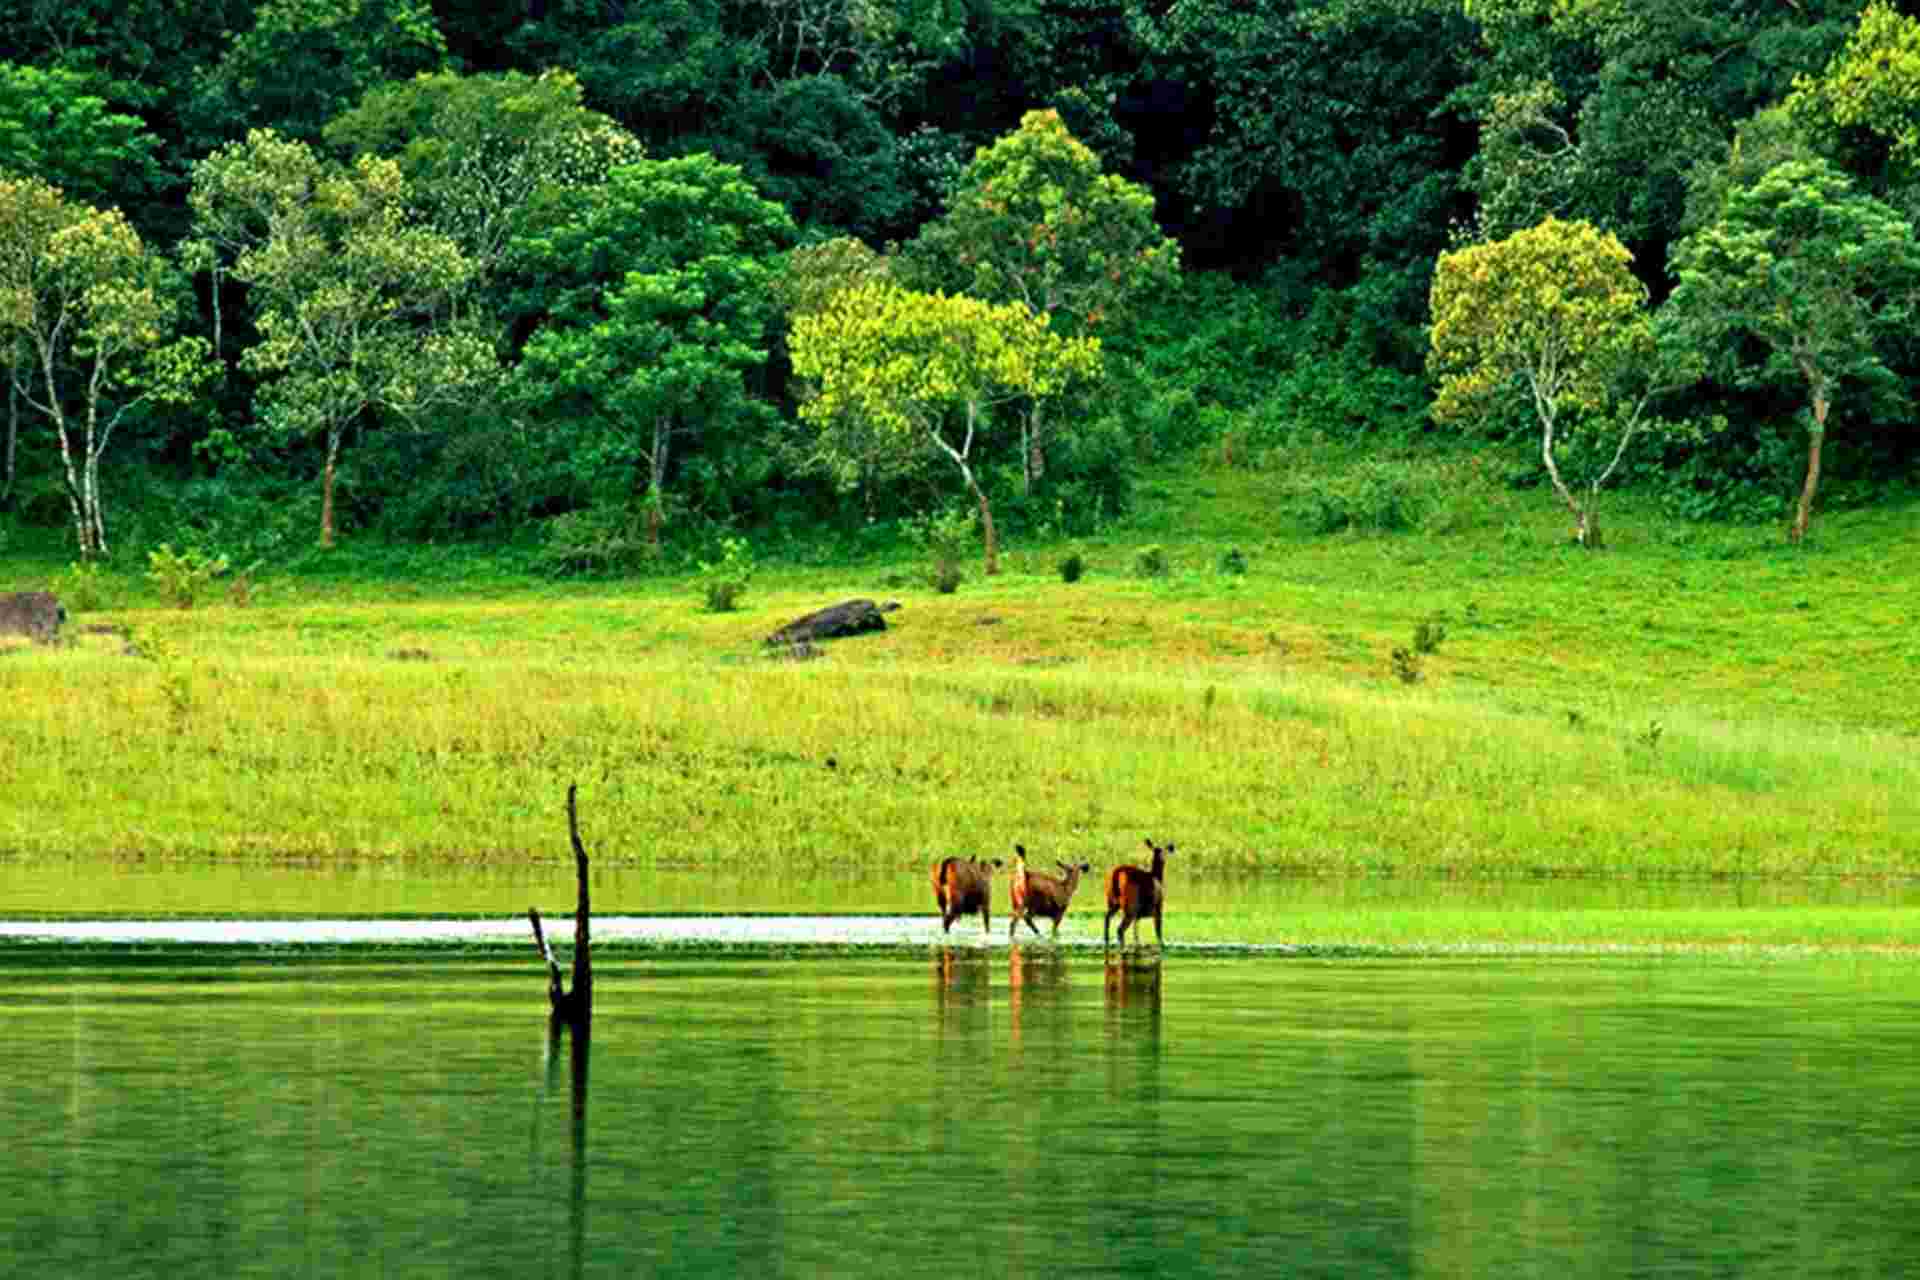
(608, 283)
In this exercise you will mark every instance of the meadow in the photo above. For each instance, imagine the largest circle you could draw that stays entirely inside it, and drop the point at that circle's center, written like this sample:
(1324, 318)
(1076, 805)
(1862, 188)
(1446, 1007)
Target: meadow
(1697, 701)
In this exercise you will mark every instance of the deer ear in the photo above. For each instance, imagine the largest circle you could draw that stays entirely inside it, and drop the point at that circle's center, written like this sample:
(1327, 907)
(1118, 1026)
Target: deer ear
(1149, 842)
(1020, 849)
(998, 863)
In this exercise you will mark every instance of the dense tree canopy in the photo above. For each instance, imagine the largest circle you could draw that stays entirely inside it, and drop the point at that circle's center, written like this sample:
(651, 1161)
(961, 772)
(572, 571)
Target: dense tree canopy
(627, 213)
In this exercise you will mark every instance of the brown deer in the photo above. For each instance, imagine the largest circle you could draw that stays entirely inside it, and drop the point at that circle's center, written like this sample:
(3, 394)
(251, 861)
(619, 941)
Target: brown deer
(962, 886)
(1046, 896)
(1135, 893)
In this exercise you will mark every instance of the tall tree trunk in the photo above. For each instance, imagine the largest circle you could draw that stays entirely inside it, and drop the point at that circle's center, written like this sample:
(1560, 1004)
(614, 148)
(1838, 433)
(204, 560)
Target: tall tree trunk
(1034, 446)
(326, 490)
(1583, 526)
(657, 477)
(13, 441)
(987, 532)
(1816, 437)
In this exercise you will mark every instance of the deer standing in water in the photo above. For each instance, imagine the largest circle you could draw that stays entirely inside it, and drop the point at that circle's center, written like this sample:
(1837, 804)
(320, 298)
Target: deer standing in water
(962, 886)
(1135, 893)
(1045, 896)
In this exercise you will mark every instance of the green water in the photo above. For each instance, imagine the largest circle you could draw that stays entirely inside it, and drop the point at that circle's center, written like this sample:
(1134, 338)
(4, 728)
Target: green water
(959, 1112)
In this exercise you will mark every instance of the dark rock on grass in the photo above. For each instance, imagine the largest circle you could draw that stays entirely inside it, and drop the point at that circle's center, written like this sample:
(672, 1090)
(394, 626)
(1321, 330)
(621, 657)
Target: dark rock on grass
(849, 618)
(34, 614)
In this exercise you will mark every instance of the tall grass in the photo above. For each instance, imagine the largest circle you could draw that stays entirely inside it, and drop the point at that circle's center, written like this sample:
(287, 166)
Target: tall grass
(1689, 703)
(878, 763)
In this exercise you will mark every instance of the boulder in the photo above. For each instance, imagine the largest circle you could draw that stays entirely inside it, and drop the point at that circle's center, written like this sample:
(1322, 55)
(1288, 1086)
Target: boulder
(848, 618)
(34, 614)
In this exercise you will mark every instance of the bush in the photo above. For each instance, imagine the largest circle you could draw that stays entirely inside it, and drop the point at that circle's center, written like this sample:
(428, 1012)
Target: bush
(724, 581)
(1150, 562)
(1072, 567)
(945, 538)
(596, 540)
(1371, 495)
(182, 576)
(1233, 563)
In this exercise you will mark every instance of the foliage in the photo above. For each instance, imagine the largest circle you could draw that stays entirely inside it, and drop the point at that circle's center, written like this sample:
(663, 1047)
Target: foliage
(1150, 562)
(932, 367)
(354, 303)
(1871, 87)
(1331, 121)
(723, 582)
(303, 62)
(943, 537)
(816, 148)
(596, 540)
(659, 297)
(1554, 314)
(1073, 566)
(479, 153)
(1033, 221)
(88, 315)
(1233, 562)
(182, 575)
(1812, 270)
(56, 124)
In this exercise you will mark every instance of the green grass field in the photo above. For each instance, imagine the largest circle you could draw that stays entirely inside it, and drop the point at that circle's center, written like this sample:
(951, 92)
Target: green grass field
(1694, 701)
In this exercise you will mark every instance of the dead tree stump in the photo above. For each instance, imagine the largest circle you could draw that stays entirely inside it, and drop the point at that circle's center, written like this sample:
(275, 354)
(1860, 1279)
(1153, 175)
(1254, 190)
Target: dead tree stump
(575, 1007)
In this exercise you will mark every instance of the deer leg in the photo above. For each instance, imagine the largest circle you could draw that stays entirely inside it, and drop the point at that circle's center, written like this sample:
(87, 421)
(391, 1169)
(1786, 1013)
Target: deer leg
(1106, 937)
(1157, 941)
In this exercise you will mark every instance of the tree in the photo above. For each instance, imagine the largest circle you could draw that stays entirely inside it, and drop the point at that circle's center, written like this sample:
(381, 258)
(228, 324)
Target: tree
(478, 152)
(856, 453)
(655, 302)
(1870, 87)
(1033, 222)
(1330, 125)
(87, 314)
(933, 366)
(354, 304)
(1813, 270)
(56, 125)
(304, 62)
(1555, 313)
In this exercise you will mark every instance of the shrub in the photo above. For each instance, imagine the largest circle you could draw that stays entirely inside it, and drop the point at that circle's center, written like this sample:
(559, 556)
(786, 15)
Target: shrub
(1072, 567)
(1150, 562)
(1427, 635)
(1233, 563)
(945, 537)
(596, 540)
(724, 581)
(181, 576)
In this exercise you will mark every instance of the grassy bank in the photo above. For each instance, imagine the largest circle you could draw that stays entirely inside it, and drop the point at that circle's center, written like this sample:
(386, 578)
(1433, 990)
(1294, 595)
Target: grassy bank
(1692, 702)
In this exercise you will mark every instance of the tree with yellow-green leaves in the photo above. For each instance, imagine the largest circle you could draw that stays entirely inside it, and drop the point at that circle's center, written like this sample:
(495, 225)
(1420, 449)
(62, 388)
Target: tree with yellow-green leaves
(1033, 221)
(89, 319)
(1554, 315)
(932, 366)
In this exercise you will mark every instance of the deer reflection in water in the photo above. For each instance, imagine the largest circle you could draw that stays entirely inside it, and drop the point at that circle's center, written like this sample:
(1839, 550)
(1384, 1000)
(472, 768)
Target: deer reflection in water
(1133, 990)
(1035, 980)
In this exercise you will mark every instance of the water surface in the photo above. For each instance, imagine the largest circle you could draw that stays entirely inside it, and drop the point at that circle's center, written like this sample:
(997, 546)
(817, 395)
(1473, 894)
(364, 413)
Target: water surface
(1024, 1111)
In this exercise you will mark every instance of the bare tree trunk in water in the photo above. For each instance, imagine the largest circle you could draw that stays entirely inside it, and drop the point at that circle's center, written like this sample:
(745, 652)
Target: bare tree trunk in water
(573, 1008)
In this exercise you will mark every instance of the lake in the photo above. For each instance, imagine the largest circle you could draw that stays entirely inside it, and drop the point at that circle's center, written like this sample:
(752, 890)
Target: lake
(174, 1109)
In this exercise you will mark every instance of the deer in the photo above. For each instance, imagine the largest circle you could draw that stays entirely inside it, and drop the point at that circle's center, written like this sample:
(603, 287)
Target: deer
(1045, 895)
(962, 886)
(1135, 893)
